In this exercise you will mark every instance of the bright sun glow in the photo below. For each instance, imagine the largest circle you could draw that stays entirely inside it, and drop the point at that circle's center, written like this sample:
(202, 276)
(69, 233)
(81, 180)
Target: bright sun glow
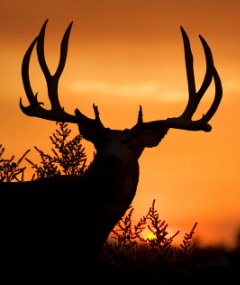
(150, 236)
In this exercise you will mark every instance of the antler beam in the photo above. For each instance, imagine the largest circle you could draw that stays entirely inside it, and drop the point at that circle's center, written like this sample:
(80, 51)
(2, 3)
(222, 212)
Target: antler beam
(56, 113)
(185, 121)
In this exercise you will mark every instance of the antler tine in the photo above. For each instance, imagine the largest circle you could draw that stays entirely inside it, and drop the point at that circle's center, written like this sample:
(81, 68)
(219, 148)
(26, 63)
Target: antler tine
(217, 81)
(195, 97)
(56, 113)
(184, 121)
(89, 127)
(217, 99)
(211, 73)
(52, 80)
(189, 70)
(26, 80)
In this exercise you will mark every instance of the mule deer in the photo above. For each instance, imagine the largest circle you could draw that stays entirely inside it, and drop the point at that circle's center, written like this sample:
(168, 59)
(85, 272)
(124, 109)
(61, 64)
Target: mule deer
(50, 220)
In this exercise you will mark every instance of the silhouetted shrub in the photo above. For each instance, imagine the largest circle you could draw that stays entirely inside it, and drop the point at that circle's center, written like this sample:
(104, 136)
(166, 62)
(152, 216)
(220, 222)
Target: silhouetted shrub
(68, 155)
(127, 242)
(188, 244)
(10, 170)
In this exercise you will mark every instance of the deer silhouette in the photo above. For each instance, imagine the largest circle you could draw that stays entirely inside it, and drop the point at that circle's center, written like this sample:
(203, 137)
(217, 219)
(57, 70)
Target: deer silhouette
(53, 223)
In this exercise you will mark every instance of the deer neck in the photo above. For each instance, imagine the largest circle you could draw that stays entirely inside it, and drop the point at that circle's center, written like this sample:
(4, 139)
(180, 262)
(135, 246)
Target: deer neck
(114, 179)
(113, 187)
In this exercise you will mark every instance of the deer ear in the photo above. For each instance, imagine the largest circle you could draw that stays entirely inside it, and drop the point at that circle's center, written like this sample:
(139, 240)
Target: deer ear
(149, 137)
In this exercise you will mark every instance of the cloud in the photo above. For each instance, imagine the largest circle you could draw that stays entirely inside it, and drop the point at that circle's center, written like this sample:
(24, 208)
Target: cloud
(152, 90)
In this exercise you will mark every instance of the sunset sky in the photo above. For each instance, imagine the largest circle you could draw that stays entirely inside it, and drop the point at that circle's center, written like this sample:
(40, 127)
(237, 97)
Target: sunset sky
(126, 53)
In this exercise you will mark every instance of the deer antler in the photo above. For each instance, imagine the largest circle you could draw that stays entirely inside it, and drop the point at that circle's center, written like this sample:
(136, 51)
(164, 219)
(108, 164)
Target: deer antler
(90, 127)
(56, 113)
(184, 121)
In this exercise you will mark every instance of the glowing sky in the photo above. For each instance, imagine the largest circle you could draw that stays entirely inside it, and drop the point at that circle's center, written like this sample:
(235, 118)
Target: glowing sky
(123, 53)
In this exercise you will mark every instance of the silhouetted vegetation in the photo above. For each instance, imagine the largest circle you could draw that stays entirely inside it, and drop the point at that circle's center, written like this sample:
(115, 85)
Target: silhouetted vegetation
(147, 240)
(10, 169)
(68, 155)
(129, 255)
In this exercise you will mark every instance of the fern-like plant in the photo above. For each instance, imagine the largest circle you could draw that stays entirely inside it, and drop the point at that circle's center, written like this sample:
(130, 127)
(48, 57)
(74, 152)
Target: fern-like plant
(68, 155)
(11, 170)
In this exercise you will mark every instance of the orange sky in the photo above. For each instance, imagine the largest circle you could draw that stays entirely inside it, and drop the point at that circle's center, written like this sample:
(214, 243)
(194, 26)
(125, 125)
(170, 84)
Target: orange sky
(124, 53)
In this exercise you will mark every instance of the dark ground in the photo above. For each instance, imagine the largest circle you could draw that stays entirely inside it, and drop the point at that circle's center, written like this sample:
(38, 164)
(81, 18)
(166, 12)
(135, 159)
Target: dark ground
(204, 266)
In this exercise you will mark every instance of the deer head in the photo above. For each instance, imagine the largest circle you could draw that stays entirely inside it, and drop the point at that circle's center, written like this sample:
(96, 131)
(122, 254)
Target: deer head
(142, 134)
(113, 176)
